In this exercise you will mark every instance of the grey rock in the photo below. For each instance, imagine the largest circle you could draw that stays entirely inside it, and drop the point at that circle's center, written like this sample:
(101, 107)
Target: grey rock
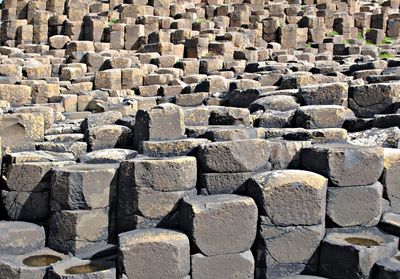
(162, 174)
(235, 156)
(17, 238)
(335, 93)
(352, 253)
(276, 199)
(154, 253)
(33, 265)
(164, 122)
(388, 137)
(318, 116)
(219, 224)
(344, 164)
(370, 99)
(84, 186)
(355, 206)
(75, 268)
(287, 250)
(387, 268)
(108, 156)
(223, 266)
(77, 231)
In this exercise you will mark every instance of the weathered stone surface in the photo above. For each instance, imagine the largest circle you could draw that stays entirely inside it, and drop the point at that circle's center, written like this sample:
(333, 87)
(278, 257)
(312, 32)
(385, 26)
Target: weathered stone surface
(387, 268)
(224, 133)
(20, 130)
(224, 183)
(389, 137)
(30, 265)
(324, 94)
(28, 176)
(164, 122)
(109, 136)
(313, 135)
(390, 222)
(276, 199)
(83, 186)
(355, 206)
(98, 269)
(360, 248)
(26, 206)
(219, 224)
(17, 95)
(77, 231)
(278, 102)
(154, 253)
(345, 164)
(235, 156)
(391, 177)
(227, 266)
(287, 250)
(317, 117)
(151, 188)
(103, 118)
(17, 238)
(161, 174)
(171, 148)
(368, 100)
(108, 156)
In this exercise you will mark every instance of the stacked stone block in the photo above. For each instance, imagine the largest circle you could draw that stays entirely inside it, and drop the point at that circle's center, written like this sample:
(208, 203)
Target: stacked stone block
(222, 229)
(292, 221)
(150, 189)
(83, 205)
(353, 171)
(221, 139)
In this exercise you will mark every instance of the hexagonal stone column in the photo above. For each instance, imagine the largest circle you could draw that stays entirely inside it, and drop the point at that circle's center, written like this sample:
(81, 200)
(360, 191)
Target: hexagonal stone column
(344, 164)
(292, 222)
(351, 253)
(84, 186)
(163, 122)
(78, 231)
(219, 224)
(149, 190)
(75, 268)
(234, 156)
(391, 177)
(239, 265)
(318, 116)
(17, 238)
(355, 205)
(154, 253)
(289, 197)
(27, 184)
(33, 265)
(387, 268)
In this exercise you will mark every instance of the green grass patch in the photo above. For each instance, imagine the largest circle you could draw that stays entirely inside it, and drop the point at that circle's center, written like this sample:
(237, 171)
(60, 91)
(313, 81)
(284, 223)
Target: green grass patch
(387, 41)
(386, 55)
(332, 34)
(112, 21)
